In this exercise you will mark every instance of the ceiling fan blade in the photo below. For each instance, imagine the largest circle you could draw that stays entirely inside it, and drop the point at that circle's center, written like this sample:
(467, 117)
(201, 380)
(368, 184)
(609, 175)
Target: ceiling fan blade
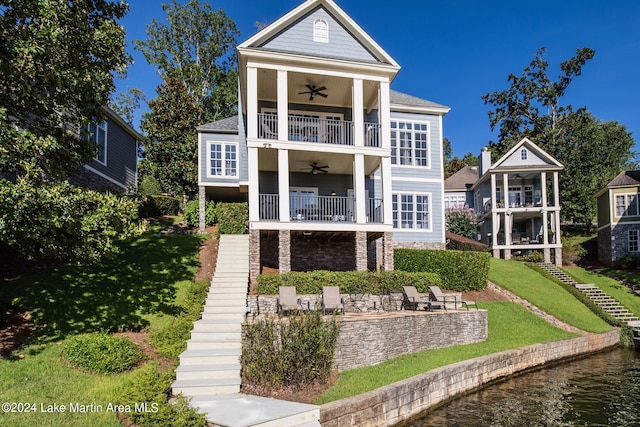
(302, 93)
(321, 89)
(311, 88)
(324, 95)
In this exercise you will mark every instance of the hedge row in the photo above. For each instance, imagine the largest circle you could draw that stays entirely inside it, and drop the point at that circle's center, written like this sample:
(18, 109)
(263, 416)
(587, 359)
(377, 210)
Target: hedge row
(460, 271)
(368, 282)
(232, 218)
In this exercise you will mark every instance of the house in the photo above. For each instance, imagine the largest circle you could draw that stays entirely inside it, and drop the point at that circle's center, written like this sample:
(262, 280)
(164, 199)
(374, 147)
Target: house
(619, 217)
(337, 168)
(457, 186)
(517, 200)
(115, 167)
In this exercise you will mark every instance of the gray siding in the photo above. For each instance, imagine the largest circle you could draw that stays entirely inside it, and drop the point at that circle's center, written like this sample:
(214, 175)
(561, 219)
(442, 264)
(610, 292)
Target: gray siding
(437, 221)
(121, 156)
(435, 149)
(298, 38)
(325, 184)
(205, 137)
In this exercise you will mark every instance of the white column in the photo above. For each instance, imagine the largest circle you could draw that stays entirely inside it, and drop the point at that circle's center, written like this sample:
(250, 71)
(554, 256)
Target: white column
(385, 115)
(254, 188)
(283, 109)
(494, 197)
(358, 113)
(252, 103)
(505, 190)
(283, 184)
(545, 228)
(556, 190)
(543, 181)
(387, 191)
(359, 188)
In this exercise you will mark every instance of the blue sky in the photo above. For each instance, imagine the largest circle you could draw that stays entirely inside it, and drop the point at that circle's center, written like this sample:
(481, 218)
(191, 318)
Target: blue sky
(453, 52)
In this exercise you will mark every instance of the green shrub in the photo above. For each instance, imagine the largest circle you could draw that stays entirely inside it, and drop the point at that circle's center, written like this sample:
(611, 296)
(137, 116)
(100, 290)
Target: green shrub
(101, 353)
(572, 251)
(167, 205)
(369, 282)
(461, 243)
(149, 385)
(63, 222)
(459, 271)
(149, 186)
(461, 221)
(626, 261)
(232, 218)
(192, 213)
(291, 353)
(531, 256)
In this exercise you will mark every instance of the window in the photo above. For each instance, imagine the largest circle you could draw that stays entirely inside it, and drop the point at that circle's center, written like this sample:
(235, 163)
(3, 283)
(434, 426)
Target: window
(528, 195)
(633, 240)
(455, 201)
(98, 136)
(515, 197)
(411, 211)
(409, 144)
(627, 205)
(223, 159)
(523, 154)
(320, 31)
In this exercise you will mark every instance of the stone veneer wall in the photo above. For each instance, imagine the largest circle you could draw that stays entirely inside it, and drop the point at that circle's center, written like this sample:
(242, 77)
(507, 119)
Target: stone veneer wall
(617, 241)
(389, 405)
(420, 245)
(604, 246)
(85, 178)
(318, 254)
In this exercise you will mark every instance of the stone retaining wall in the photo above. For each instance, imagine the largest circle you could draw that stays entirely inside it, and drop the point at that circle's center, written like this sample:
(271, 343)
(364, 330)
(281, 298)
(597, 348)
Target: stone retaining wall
(389, 405)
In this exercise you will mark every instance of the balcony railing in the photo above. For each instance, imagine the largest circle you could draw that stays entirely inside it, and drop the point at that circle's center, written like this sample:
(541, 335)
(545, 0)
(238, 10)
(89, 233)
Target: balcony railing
(316, 129)
(318, 208)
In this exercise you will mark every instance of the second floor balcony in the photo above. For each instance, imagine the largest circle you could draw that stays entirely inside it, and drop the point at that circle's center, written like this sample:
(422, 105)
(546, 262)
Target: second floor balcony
(315, 129)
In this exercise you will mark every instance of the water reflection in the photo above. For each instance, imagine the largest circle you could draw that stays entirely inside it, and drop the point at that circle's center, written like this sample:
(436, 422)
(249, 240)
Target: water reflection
(601, 390)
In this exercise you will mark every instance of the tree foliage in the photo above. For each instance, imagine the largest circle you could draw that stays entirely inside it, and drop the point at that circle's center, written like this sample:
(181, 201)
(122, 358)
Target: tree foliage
(453, 164)
(170, 151)
(592, 151)
(57, 60)
(461, 221)
(126, 103)
(196, 47)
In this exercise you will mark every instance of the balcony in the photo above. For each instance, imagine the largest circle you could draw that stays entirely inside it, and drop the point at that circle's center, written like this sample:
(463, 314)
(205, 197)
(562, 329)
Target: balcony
(308, 128)
(319, 209)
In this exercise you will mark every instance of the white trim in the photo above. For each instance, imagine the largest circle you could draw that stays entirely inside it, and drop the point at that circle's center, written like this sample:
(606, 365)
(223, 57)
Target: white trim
(102, 175)
(426, 132)
(423, 180)
(320, 226)
(223, 144)
(637, 241)
(615, 210)
(526, 141)
(103, 126)
(400, 108)
(220, 184)
(320, 31)
(429, 228)
(319, 147)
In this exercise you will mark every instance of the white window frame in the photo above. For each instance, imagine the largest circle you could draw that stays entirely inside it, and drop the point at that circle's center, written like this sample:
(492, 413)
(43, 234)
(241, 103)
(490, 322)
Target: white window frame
(398, 222)
(633, 240)
(523, 154)
(454, 201)
(224, 145)
(408, 155)
(516, 190)
(628, 199)
(320, 31)
(93, 137)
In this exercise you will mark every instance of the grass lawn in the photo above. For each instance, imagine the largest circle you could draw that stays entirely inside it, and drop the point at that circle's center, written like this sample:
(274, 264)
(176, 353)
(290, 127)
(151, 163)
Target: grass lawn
(140, 288)
(545, 294)
(510, 326)
(619, 292)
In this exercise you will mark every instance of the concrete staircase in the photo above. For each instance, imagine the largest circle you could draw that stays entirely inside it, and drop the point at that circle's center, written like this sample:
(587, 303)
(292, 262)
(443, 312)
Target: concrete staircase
(209, 370)
(211, 363)
(598, 296)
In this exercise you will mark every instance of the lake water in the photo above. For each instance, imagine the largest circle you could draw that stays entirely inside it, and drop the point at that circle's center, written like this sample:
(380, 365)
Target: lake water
(600, 390)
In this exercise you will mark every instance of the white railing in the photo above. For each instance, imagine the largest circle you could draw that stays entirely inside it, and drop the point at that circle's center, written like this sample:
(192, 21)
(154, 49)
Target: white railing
(372, 135)
(269, 207)
(319, 208)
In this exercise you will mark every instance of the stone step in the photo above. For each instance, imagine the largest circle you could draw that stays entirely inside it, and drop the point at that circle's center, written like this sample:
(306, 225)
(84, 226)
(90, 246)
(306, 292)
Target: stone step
(210, 356)
(238, 297)
(228, 290)
(231, 370)
(223, 316)
(217, 325)
(225, 309)
(206, 386)
(207, 344)
(215, 335)
(225, 302)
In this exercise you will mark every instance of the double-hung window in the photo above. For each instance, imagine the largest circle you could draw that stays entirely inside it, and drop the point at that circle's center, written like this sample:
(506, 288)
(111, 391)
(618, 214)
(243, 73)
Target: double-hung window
(410, 144)
(411, 211)
(627, 205)
(633, 240)
(223, 160)
(98, 136)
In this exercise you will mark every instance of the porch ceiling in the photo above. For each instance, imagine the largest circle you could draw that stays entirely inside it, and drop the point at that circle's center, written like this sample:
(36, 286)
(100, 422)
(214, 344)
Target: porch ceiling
(338, 89)
(299, 161)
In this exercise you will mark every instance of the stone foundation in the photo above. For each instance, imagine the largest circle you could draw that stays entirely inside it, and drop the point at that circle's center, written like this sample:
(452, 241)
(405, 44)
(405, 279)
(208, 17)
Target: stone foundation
(420, 245)
(392, 404)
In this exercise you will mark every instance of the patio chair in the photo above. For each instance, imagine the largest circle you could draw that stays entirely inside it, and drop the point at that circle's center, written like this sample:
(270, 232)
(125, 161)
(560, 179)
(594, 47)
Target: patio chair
(444, 299)
(414, 300)
(267, 133)
(331, 299)
(288, 299)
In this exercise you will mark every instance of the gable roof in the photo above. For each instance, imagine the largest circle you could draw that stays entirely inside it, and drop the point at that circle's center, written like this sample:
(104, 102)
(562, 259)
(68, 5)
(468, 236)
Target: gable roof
(228, 125)
(459, 180)
(278, 27)
(402, 101)
(539, 152)
(623, 179)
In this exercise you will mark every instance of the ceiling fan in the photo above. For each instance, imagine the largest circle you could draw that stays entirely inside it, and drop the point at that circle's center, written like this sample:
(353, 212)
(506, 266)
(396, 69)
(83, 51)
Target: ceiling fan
(314, 91)
(315, 169)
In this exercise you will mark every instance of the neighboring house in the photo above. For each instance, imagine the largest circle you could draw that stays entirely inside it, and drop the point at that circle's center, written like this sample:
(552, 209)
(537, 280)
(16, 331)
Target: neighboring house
(115, 167)
(517, 200)
(457, 188)
(619, 217)
(337, 168)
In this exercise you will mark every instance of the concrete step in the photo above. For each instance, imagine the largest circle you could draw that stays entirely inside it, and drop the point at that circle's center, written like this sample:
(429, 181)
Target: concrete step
(194, 344)
(215, 336)
(231, 370)
(210, 356)
(223, 316)
(225, 302)
(221, 325)
(206, 386)
(225, 309)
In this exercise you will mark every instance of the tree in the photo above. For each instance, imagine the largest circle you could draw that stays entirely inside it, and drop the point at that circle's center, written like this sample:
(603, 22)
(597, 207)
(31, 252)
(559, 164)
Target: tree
(126, 103)
(196, 47)
(57, 60)
(592, 151)
(170, 151)
(461, 221)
